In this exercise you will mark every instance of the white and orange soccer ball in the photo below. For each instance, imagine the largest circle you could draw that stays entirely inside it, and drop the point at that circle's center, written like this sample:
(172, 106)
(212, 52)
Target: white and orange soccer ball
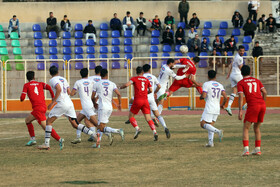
(184, 49)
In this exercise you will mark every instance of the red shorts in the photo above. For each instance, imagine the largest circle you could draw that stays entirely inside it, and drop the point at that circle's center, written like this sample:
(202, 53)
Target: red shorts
(142, 105)
(39, 113)
(255, 113)
(187, 83)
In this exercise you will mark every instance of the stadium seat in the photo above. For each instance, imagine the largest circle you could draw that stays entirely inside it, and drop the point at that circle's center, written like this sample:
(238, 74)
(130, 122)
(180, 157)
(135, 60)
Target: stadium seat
(78, 35)
(103, 65)
(52, 43)
(90, 42)
(254, 22)
(66, 35)
(128, 34)
(155, 33)
(218, 53)
(208, 25)
(115, 34)
(222, 32)
(15, 43)
(78, 27)
(103, 42)
(103, 56)
(236, 39)
(206, 32)
(229, 53)
(37, 35)
(18, 57)
(128, 49)
(67, 57)
(53, 57)
(125, 65)
(14, 36)
(116, 41)
(245, 54)
(41, 66)
(40, 57)
(90, 56)
(1, 28)
(207, 39)
(17, 51)
(52, 35)
(167, 48)
(128, 56)
(67, 50)
(92, 65)
(64, 66)
(66, 43)
(223, 25)
(3, 43)
(154, 64)
(155, 41)
(181, 24)
(104, 26)
(36, 28)
(2, 36)
(154, 49)
(79, 50)
(115, 49)
(54, 64)
(19, 66)
(116, 65)
(79, 66)
(178, 54)
(78, 42)
(53, 50)
(191, 54)
(127, 41)
(90, 50)
(203, 54)
(246, 46)
(115, 55)
(222, 39)
(236, 32)
(8, 67)
(177, 48)
(4, 58)
(79, 56)
(103, 34)
(3, 51)
(203, 61)
(103, 49)
(154, 55)
(165, 55)
(247, 39)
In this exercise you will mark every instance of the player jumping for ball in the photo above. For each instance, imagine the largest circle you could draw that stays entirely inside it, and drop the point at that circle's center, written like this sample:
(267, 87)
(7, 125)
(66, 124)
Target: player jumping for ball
(255, 95)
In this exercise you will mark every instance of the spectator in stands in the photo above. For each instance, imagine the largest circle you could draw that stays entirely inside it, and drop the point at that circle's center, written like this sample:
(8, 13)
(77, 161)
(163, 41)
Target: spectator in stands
(180, 36)
(13, 26)
(204, 45)
(183, 10)
(65, 24)
(218, 44)
(141, 21)
(270, 16)
(271, 25)
(51, 24)
(156, 23)
(90, 31)
(237, 19)
(253, 7)
(195, 45)
(194, 22)
(262, 23)
(192, 33)
(128, 22)
(167, 37)
(230, 45)
(218, 61)
(257, 50)
(116, 24)
(249, 28)
(169, 21)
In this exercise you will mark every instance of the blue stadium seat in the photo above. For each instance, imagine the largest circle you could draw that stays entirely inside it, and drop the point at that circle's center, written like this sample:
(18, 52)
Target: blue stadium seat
(229, 53)
(54, 64)
(79, 50)
(103, 42)
(203, 61)
(116, 41)
(40, 57)
(52, 43)
(127, 41)
(66, 35)
(36, 28)
(67, 50)
(128, 56)
(178, 54)
(104, 26)
(115, 34)
(167, 48)
(154, 64)
(206, 32)
(66, 43)
(78, 42)
(208, 25)
(236, 32)
(103, 56)
(222, 32)
(103, 65)
(236, 39)
(218, 53)
(191, 54)
(207, 39)
(154, 41)
(165, 55)
(78, 35)
(90, 42)
(247, 39)
(115, 55)
(154, 49)
(66, 57)
(90, 56)
(181, 24)
(203, 54)
(53, 57)
(41, 66)
(39, 51)
(92, 65)
(128, 49)
(64, 66)
(154, 55)
(90, 50)
(53, 50)
(223, 25)
(52, 35)
(115, 49)
(125, 65)
(38, 35)
(79, 66)
(128, 34)
(116, 65)
(245, 54)
(177, 48)
(79, 56)
(222, 39)
(155, 33)
(103, 49)
(103, 34)
(78, 27)
(38, 43)
(254, 22)
(246, 46)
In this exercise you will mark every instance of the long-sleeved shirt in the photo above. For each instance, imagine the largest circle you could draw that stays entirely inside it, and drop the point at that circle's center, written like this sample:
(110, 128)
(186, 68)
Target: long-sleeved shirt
(89, 29)
(51, 21)
(169, 20)
(115, 22)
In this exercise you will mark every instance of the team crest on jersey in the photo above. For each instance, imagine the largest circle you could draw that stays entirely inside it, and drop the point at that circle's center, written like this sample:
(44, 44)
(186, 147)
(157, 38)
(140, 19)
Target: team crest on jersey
(149, 77)
(86, 83)
(96, 79)
(215, 84)
(163, 68)
(62, 80)
(105, 83)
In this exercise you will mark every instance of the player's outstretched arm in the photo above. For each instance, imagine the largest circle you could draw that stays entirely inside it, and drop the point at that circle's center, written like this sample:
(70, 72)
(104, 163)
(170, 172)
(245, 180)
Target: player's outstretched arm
(49, 88)
(224, 99)
(264, 93)
(240, 104)
(229, 72)
(157, 88)
(119, 99)
(68, 91)
(57, 93)
(125, 85)
(94, 100)
(203, 95)
(23, 94)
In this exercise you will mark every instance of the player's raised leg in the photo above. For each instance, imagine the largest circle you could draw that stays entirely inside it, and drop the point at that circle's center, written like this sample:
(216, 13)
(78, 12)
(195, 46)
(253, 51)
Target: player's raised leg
(211, 130)
(162, 122)
(30, 127)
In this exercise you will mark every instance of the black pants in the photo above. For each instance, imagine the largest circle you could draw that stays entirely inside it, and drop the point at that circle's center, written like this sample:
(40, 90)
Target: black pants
(236, 24)
(254, 14)
(249, 33)
(168, 41)
(52, 28)
(117, 27)
(143, 27)
(184, 16)
(180, 42)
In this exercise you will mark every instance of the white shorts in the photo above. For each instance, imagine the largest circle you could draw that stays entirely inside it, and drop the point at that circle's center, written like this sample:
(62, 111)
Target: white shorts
(160, 92)
(234, 79)
(209, 117)
(63, 109)
(152, 103)
(88, 112)
(103, 116)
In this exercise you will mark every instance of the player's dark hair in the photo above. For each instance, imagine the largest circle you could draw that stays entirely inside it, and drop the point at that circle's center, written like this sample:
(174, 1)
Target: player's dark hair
(196, 59)
(84, 72)
(241, 47)
(211, 74)
(30, 75)
(146, 68)
(104, 73)
(169, 61)
(139, 70)
(53, 70)
(98, 69)
(245, 70)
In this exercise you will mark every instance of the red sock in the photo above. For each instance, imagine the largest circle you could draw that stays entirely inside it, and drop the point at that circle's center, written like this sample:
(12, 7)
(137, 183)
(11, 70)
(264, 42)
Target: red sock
(199, 89)
(30, 128)
(55, 135)
(152, 125)
(133, 122)
(257, 143)
(245, 143)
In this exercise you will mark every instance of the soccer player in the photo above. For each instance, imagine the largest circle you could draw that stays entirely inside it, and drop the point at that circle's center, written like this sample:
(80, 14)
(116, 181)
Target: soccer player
(105, 89)
(142, 87)
(235, 75)
(35, 92)
(96, 78)
(64, 107)
(212, 92)
(255, 95)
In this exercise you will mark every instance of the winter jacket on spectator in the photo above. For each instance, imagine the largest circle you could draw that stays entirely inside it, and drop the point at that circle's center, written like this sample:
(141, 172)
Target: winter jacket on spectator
(167, 35)
(184, 7)
(115, 22)
(169, 20)
(204, 47)
(180, 33)
(131, 20)
(195, 42)
(62, 23)
(257, 51)
(230, 45)
(156, 24)
(89, 29)
(274, 20)
(194, 22)
(239, 16)
(218, 45)
(51, 21)
(249, 27)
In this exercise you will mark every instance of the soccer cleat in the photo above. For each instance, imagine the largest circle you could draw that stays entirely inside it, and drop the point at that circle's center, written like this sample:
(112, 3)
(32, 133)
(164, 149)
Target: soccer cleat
(90, 139)
(166, 130)
(98, 139)
(229, 111)
(221, 135)
(61, 143)
(31, 142)
(122, 134)
(77, 140)
(256, 152)
(245, 152)
(156, 122)
(155, 137)
(95, 146)
(127, 122)
(43, 147)
(163, 96)
(209, 145)
(137, 133)
(111, 138)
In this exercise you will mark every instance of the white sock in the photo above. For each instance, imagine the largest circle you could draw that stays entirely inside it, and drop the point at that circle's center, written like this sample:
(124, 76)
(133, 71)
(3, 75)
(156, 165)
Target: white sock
(94, 132)
(162, 122)
(129, 106)
(246, 148)
(48, 132)
(111, 130)
(33, 138)
(84, 129)
(100, 133)
(231, 99)
(137, 128)
(160, 107)
(154, 132)
(78, 133)
(210, 137)
(211, 128)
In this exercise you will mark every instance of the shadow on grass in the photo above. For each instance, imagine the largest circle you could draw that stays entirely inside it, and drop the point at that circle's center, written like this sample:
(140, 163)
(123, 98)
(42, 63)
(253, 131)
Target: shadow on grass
(84, 182)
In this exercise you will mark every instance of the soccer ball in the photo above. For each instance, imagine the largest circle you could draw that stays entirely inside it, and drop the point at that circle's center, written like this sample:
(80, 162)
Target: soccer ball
(184, 49)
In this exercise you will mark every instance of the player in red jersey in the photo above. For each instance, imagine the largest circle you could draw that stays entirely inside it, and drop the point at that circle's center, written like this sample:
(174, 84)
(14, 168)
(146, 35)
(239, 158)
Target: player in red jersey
(35, 92)
(255, 95)
(142, 87)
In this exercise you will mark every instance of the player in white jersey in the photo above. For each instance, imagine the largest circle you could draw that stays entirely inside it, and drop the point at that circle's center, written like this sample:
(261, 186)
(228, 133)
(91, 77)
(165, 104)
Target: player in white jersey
(105, 90)
(212, 91)
(64, 107)
(235, 75)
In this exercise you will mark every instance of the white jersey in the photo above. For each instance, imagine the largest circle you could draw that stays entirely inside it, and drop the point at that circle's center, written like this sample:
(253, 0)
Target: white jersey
(154, 82)
(95, 78)
(238, 60)
(213, 90)
(85, 87)
(164, 75)
(104, 89)
(63, 97)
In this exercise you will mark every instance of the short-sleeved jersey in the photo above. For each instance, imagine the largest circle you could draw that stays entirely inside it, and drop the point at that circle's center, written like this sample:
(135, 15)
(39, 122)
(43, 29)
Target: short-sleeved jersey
(190, 68)
(35, 92)
(251, 87)
(63, 97)
(154, 82)
(238, 60)
(95, 78)
(105, 89)
(84, 87)
(164, 75)
(214, 92)
(141, 85)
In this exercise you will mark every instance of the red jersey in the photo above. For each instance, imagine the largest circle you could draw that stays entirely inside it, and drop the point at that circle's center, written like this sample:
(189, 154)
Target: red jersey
(141, 85)
(35, 92)
(251, 88)
(191, 70)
